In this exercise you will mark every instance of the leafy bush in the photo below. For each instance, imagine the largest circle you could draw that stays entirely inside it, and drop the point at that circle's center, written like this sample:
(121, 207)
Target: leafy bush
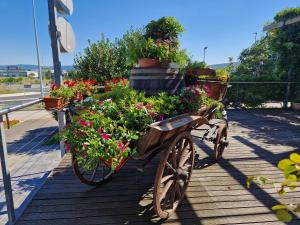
(103, 60)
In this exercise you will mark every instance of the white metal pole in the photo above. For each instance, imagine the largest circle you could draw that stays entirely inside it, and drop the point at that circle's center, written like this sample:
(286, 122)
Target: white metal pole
(37, 49)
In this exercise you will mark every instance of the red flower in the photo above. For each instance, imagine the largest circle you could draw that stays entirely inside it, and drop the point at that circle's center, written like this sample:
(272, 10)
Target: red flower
(105, 136)
(139, 106)
(99, 130)
(54, 87)
(149, 106)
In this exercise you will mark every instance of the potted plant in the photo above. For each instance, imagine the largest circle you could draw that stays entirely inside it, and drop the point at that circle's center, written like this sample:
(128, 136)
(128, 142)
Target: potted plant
(58, 97)
(158, 44)
(296, 104)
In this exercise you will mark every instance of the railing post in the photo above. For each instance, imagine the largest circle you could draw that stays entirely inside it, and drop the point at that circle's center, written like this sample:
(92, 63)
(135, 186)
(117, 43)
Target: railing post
(287, 95)
(6, 175)
(61, 115)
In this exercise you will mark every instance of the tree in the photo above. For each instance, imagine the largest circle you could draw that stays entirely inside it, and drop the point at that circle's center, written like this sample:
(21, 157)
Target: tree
(285, 41)
(257, 60)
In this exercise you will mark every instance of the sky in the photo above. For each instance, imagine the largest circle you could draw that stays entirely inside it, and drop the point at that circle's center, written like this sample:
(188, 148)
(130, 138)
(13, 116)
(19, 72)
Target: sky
(226, 27)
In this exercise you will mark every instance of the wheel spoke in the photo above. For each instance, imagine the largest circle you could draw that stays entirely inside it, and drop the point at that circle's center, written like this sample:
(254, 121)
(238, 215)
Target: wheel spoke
(174, 159)
(171, 167)
(173, 195)
(165, 190)
(94, 172)
(184, 159)
(166, 178)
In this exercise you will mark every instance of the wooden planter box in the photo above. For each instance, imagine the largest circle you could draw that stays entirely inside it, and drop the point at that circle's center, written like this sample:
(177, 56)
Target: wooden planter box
(54, 103)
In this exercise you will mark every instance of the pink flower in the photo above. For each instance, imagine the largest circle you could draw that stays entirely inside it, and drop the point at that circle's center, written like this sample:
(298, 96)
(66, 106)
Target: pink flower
(105, 136)
(197, 93)
(121, 146)
(207, 90)
(68, 147)
(84, 145)
(99, 130)
(85, 123)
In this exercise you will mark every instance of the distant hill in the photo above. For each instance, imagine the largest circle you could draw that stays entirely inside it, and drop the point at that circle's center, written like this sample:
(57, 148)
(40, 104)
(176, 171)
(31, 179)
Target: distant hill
(222, 65)
(35, 67)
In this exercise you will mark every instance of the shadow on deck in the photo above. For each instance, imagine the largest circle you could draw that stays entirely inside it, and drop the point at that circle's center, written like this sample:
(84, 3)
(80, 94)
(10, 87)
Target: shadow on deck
(216, 194)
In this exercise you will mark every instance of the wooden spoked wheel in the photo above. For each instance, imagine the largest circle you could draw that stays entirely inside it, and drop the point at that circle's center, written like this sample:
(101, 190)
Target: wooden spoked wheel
(173, 175)
(97, 173)
(220, 142)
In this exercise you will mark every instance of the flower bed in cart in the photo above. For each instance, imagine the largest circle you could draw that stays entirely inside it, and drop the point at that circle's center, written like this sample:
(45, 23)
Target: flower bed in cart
(108, 126)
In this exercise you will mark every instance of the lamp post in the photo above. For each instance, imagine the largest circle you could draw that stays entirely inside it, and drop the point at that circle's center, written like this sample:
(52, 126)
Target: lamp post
(204, 50)
(255, 37)
(37, 49)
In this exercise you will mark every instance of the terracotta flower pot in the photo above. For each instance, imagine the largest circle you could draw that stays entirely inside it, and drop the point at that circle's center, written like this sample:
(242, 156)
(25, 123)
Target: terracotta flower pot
(148, 63)
(54, 103)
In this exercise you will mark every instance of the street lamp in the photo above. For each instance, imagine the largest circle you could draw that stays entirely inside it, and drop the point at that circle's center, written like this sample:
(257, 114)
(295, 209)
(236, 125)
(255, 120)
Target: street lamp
(204, 50)
(37, 49)
(255, 37)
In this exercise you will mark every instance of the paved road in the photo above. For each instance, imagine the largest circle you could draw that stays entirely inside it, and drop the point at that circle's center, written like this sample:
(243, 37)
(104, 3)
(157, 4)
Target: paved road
(29, 161)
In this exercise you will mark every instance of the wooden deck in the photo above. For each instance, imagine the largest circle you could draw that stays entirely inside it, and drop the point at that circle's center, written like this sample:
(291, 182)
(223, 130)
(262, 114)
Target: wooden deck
(30, 162)
(216, 194)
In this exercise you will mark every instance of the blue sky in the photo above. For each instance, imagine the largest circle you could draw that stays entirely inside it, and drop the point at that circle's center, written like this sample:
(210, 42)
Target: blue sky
(225, 26)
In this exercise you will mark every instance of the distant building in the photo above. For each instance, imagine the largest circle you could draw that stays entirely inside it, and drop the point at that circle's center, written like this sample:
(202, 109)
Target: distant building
(15, 71)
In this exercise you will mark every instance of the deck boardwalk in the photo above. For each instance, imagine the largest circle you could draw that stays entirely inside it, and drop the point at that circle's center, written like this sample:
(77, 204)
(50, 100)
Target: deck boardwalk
(216, 194)
(29, 161)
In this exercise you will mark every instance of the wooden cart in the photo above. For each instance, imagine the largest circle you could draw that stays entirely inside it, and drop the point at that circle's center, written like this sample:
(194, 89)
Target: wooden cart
(171, 139)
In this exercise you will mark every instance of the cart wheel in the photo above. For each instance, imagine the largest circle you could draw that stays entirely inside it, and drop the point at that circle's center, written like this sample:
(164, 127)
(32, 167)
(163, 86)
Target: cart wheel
(98, 174)
(220, 142)
(173, 175)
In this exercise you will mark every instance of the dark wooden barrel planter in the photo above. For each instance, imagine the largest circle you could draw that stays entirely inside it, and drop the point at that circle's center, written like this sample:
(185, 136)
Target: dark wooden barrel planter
(155, 80)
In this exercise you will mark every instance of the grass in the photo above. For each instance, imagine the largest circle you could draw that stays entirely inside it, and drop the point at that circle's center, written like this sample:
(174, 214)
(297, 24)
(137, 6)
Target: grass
(8, 91)
(11, 123)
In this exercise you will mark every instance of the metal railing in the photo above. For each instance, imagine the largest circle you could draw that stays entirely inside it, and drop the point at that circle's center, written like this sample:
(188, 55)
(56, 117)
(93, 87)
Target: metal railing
(273, 91)
(4, 157)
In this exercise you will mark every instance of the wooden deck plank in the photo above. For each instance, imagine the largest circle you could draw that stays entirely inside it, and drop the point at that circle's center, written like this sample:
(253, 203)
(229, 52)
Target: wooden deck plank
(216, 194)
(29, 162)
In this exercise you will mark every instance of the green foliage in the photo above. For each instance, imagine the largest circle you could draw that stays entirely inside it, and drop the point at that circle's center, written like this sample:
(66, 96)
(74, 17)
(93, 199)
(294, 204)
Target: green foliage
(105, 124)
(291, 170)
(163, 28)
(286, 43)
(103, 60)
(288, 13)
(196, 65)
(11, 80)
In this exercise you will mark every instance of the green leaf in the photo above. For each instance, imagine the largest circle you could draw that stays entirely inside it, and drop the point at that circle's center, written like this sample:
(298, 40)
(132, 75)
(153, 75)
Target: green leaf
(284, 163)
(281, 192)
(289, 169)
(262, 180)
(277, 207)
(249, 181)
(284, 216)
(295, 157)
(292, 178)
